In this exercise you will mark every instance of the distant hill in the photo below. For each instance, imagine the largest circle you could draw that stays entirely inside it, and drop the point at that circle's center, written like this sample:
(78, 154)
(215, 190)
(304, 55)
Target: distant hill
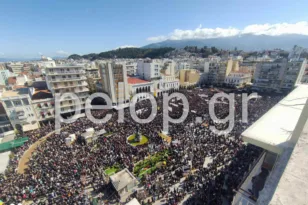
(126, 53)
(246, 42)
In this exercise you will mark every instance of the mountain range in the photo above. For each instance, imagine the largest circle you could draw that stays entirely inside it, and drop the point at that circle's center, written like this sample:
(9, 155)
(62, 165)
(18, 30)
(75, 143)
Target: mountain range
(247, 42)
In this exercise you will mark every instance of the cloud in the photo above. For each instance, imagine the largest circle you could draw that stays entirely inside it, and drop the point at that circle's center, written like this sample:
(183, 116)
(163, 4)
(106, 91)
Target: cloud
(40, 53)
(256, 29)
(127, 46)
(62, 52)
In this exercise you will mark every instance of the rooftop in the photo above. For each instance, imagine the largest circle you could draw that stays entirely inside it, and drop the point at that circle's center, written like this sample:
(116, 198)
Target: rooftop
(293, 185)
(274, 129)
(122, 179)
(131, 80)
(41, 94)
(15, 93)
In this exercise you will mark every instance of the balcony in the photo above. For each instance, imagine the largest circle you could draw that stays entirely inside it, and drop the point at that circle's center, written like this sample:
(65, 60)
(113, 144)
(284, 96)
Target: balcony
(67, 79)
(69, 86)
(66, 72)
(81, 90)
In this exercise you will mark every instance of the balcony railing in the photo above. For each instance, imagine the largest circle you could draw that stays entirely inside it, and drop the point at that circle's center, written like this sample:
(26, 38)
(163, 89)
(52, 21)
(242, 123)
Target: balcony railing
(67, 79)
(65, 72)
(69, 86)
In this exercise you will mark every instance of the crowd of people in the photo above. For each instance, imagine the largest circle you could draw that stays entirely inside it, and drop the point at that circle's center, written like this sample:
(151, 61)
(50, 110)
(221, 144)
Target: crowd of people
(61, 174)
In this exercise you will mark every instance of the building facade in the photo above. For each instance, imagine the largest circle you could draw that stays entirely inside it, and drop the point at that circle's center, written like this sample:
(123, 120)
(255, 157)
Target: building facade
(189, 77)
(4, 75)
(68, 79)
(238, 79)
(114, 82)
(149, 69)
(279, 75)
(141, 87)
(16, 68)
(17, 104)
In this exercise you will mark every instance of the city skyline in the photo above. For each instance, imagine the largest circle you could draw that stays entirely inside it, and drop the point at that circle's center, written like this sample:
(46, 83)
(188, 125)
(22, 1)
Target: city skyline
(29, 30)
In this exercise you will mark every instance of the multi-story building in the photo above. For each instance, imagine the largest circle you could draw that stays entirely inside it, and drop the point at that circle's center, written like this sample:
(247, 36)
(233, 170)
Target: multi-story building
(293, 74)
(238, 78)
(114, 82)
(4, 75)
(217, 71)
(68, 79)
(131, 67)
(278, 75)
(189, 77)
(149, 69)
(5, 124)
(167, 83)
(16, 68)
(43, 104)
(17, 104)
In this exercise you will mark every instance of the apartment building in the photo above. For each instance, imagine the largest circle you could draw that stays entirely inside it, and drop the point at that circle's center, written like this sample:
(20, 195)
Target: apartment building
(17, 104)
(149, 69)
(43, 104)
(16, 68)
(279, 75)
(4, 75)
(189, 77)
(217, 71)
(5, 124)
(68, 79)
(114, 82)
(238, 78)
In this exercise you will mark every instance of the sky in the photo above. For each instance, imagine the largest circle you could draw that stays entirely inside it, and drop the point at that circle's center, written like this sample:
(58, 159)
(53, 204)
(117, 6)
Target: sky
(29, 29)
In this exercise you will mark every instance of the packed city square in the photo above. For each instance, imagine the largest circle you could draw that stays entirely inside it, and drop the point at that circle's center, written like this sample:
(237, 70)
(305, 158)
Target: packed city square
(61, 174)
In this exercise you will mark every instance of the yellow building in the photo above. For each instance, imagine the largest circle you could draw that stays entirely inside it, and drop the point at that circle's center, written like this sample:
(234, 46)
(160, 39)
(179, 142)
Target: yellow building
(189, 77)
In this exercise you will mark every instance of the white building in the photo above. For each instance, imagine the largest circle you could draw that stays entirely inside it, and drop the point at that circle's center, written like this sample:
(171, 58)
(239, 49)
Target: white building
(124, 182)
(149, 69)
(17, 104)
(68, 79)
(138, 86)
(238, 79)
(114, 82)
(4, 75)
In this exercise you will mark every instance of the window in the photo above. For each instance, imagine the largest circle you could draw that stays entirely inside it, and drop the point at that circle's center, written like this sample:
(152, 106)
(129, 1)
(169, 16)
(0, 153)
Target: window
(65, 83)
(53, 77)
(71, 83)
(78, 76)
(25, 101)
(69, 76)
(79, 82)
(8, 103)
(63, 76)
(17, 102)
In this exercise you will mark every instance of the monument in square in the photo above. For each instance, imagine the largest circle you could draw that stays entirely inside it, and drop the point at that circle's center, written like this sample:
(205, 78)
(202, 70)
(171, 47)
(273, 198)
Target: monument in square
(137, 135)
(137, 138)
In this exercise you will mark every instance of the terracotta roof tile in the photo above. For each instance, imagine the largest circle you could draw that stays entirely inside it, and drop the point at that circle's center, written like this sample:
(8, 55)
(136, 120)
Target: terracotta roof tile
(135, 81)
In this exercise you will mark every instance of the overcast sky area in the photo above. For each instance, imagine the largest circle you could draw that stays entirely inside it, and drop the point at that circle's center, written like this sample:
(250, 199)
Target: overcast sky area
(29, 29)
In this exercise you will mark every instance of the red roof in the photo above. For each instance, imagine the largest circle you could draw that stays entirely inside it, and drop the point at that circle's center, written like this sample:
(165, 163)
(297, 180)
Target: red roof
(135, 80)
(11, 80)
